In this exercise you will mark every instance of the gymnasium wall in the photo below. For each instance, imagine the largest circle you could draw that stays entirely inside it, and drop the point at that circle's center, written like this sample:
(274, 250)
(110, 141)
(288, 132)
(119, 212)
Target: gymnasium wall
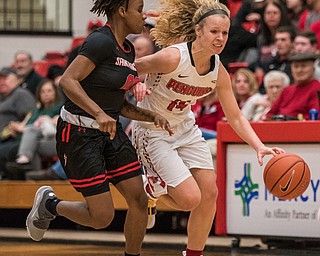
(39, 45)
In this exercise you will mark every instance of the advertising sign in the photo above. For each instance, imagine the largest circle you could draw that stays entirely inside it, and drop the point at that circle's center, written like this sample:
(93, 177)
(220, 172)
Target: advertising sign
(252, 210)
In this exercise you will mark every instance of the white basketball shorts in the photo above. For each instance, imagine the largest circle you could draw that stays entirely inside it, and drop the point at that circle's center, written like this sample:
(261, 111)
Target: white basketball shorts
(168, 159)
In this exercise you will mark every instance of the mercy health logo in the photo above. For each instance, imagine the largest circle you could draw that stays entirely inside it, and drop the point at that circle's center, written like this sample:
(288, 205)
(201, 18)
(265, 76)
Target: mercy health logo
(246, 189)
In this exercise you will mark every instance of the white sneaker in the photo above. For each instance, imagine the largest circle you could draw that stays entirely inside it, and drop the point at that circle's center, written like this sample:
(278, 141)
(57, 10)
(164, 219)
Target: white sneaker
(151, 203)
(39, 217)
(152, 211)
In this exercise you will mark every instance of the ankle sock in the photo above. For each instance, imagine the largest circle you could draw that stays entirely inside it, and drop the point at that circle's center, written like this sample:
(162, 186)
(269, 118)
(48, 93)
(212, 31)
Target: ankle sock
(51, 205)
(127, 254)
(193, 252)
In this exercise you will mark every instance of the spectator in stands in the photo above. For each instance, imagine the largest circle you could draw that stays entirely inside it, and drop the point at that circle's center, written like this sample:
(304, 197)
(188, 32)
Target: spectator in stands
(306, 42)
(92, 26)
(244, 85)
(15, 104)
(295, 9)
(274, 16)
(250, 11)
(258, 105)
(55, 73)
(29, 78)
(300, 97)
(38, 131)
(310, 16)
(239, 45)
(283, 38)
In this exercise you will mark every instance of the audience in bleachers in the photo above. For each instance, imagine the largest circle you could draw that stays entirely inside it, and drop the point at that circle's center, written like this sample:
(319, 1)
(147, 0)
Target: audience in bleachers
(29, 78)
(306, 41)
(258, 105)
(310, 16)
(15, 104)
(274, 16)
(301, 97)
(283, 38)
(54, 73)
(295, 9)
(244, 85)
(37, 132)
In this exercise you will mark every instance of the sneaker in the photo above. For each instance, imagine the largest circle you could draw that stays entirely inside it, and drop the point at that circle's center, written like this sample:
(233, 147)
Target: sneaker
(152, 210)
(39, 217)
(151, 204)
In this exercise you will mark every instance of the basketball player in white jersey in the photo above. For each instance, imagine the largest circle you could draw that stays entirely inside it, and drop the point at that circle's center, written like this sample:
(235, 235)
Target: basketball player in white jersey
(179, 168)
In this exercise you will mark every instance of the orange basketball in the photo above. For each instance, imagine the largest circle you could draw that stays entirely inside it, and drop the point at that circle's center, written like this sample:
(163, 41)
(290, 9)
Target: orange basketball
(286, 176)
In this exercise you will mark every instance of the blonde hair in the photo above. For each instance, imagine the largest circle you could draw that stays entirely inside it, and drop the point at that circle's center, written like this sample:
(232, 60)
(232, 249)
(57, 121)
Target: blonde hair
(176, 21)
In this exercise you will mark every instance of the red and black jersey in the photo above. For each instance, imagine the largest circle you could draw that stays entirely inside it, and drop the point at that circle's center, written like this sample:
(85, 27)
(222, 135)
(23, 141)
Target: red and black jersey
(114, 73)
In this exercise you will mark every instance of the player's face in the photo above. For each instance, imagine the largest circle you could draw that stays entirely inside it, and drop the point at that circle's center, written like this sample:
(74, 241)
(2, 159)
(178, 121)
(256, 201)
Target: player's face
(135, 17)
(214, 33)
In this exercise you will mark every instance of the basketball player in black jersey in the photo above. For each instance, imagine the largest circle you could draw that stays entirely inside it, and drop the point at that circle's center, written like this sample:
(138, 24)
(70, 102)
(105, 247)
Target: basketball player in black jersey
(91, 144)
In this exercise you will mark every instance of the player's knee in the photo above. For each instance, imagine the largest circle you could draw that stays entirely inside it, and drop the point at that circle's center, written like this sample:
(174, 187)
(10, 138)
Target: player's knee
(191, 202)
(210, 195)
(102, 220)
(138, 201)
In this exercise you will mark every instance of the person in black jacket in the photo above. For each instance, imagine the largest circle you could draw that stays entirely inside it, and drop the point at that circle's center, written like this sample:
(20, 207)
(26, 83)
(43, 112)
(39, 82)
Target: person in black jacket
(29, 78)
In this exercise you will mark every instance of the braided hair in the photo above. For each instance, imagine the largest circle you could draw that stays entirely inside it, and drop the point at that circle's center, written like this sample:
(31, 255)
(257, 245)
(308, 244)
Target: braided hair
(177, 20)
(108, 7)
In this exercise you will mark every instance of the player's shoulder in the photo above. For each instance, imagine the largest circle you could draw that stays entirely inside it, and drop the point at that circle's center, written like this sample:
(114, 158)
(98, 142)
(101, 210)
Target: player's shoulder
(102, 34)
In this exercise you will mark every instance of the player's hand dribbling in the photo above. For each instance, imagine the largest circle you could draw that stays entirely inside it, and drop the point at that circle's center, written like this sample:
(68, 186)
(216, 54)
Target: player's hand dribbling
(160, 121)
(262, 151)
(107, 124)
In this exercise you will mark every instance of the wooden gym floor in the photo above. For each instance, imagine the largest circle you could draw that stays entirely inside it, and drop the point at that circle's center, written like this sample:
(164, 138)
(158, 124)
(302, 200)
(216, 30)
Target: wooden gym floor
(15, 242)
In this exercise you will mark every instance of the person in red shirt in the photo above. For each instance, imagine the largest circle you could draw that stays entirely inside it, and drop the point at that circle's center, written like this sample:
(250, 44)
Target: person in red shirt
(208, 112)
(300, 97)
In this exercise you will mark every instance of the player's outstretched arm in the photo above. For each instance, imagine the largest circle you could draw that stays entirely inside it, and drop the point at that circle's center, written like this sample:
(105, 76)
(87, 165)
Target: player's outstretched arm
(135, 113)
(236, 119)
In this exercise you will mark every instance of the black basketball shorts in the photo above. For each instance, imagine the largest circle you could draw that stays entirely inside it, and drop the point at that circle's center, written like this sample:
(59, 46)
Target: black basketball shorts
(91, 160)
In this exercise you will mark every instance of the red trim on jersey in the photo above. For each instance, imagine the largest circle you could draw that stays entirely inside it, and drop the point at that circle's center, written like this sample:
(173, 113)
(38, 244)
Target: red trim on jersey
(125, 42)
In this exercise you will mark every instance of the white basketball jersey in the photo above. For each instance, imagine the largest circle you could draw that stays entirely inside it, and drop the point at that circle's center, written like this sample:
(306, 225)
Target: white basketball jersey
(174, 93)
